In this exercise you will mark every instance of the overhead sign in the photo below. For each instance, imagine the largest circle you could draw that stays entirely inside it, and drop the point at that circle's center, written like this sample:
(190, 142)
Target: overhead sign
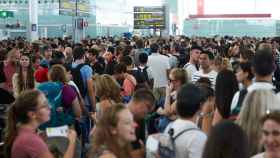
(149, 17)
(71, 7)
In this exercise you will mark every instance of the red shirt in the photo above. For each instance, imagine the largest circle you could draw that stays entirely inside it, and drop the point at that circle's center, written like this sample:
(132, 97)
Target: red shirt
(28, 144)
(41, 74)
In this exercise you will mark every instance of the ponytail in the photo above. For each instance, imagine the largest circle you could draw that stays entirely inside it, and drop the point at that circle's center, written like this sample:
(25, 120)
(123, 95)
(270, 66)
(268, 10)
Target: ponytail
(18, 113)
(11, 129)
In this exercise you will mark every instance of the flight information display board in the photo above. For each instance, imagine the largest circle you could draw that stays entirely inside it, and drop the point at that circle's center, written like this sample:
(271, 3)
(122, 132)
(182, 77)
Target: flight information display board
(149, 17)
(68, 7)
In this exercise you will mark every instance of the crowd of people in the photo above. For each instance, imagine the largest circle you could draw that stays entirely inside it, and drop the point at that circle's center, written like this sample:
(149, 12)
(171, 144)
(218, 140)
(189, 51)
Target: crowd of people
(119, 97)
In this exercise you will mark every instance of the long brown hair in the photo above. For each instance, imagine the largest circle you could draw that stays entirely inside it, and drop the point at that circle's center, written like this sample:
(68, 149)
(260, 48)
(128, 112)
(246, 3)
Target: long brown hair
(103, 134)
(29, 82)
(17, 113)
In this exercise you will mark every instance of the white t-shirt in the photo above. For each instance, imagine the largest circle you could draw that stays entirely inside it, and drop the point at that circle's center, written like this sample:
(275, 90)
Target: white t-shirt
(190, 69)
(212, 75)
(260, 85)
(191, 143)
(159, 65)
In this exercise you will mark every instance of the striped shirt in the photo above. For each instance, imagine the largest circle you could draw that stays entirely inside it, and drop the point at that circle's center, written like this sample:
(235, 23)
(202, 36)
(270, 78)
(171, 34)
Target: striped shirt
(211, 76)
(191, 69)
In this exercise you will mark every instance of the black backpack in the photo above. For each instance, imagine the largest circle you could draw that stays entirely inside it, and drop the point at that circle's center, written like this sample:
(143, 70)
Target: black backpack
(78, 79)
(141, 76)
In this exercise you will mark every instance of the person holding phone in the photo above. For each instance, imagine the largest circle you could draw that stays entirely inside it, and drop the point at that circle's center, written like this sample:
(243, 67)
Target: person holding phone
(177, 78)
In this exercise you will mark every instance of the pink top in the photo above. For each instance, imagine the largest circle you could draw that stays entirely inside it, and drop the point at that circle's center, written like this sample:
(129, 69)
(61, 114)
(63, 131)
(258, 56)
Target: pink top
(28, 144)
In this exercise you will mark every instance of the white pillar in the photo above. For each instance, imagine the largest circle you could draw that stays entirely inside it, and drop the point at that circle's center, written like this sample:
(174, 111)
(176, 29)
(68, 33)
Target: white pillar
(182, 13)
(33, 20)
(45, 32)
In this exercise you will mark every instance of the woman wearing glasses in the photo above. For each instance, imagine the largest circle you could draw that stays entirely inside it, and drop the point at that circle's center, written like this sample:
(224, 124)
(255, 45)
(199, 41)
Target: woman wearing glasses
(177, 78)
(26, 114)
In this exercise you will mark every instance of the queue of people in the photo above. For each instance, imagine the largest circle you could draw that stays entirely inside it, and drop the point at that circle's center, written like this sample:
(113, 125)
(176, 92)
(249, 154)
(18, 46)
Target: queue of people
(120, 98)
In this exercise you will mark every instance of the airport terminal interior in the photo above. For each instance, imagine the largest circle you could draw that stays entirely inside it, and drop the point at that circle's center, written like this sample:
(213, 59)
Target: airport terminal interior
(139, 79)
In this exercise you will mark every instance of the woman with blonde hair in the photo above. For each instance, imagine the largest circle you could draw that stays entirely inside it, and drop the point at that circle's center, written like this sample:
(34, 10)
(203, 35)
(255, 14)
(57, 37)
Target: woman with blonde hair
(256, 104)
(177, 78)
(108, 91)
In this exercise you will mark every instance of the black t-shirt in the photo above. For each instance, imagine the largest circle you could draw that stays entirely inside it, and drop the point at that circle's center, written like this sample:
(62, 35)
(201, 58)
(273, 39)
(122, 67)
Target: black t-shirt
(2, 74)
(6, 97)
(109, 67)
(99, 66)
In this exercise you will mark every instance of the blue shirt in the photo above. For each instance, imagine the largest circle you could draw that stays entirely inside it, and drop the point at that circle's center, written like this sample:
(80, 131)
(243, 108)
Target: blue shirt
(86, 72)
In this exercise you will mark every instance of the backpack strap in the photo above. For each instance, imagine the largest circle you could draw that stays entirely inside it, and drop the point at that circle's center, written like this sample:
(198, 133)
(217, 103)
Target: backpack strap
(59, 95)
(80, 66)
(141, 70)
(182, 132)
(173, 138)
